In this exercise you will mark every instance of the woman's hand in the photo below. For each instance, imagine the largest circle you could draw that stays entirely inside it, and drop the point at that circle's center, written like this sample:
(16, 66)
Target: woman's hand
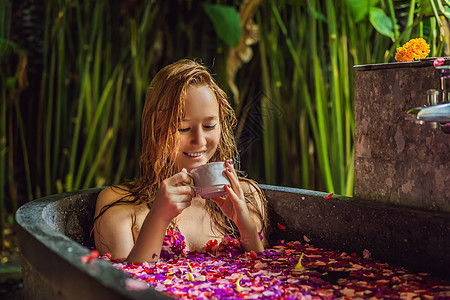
(173, 197)
(234, 206)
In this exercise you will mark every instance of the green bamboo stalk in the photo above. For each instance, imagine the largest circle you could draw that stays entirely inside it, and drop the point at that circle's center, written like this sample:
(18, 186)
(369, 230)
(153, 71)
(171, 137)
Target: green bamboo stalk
(421, 28)
(412, 6)
(433, 39)
(304, 146)
(346, 90)
(119, 99)
(350, 174)
(81, 30)
(277, 159)
(393, 18)
(145, 30)
(49, 124)
(40, 124)
(11, 166)
(88, 94)
(108, 35)
(3, 156)
(321, 106)
(336, 97)
(137, 80)
(5, 17)
(122, 161)
(93, 168)
(60, 99)
(278, 149)
(91, 87)
(264, 107)
(76, 135)
(26, 163)
(92, 130)
(436, 18)
(97, 45)
(321, 124)
(102, 122)
(303, 135)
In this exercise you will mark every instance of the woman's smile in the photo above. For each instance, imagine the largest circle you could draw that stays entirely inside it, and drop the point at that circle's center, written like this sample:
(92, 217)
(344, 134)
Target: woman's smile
(195, 155)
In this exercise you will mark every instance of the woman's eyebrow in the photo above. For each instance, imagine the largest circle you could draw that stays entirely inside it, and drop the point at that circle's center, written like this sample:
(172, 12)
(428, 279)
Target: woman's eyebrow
(211, 118)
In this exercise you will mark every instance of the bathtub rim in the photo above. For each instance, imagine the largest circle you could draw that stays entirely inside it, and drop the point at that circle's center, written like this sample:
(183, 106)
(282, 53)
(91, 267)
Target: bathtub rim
(37, 239)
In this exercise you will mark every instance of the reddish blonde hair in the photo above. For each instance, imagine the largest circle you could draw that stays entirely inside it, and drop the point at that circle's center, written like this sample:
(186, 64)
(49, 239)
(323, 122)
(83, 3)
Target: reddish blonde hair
(162, 115)
(161, 119)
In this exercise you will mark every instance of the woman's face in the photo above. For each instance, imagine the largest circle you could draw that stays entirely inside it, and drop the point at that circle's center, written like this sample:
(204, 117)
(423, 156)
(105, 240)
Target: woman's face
(200, 128)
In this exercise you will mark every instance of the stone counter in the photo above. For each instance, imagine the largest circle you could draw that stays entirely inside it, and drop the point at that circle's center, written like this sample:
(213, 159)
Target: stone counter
(397, 161)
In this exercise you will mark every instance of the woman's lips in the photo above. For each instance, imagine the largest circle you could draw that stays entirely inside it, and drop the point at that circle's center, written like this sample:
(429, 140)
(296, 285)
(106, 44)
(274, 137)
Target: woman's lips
(195, 155)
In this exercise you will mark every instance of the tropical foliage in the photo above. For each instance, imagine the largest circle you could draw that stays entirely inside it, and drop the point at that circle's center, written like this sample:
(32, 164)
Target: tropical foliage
(75, 72)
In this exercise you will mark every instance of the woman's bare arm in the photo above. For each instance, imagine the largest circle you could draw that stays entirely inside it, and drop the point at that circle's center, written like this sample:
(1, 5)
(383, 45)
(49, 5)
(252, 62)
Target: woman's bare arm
(113, 229)
(257, 210)
(246, 217)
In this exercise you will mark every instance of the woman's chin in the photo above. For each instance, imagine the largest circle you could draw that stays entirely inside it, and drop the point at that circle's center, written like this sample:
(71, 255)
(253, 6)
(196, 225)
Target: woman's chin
(193, 163)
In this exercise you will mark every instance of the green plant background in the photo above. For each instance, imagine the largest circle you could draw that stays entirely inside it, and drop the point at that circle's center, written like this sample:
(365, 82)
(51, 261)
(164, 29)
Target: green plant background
(74, 75)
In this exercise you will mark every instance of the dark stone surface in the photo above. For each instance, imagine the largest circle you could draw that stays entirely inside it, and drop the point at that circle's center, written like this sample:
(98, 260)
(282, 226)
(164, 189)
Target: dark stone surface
(77, 226)
(396, 160)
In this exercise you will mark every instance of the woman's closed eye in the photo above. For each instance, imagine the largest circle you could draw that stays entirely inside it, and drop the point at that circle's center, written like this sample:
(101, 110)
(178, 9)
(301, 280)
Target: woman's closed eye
(210, 127)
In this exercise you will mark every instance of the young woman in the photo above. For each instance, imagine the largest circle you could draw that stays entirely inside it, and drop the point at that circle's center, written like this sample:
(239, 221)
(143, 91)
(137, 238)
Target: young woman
(186, 122)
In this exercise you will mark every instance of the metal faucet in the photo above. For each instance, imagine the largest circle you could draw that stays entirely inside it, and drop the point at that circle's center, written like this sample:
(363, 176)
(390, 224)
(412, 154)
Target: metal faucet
(437, 113)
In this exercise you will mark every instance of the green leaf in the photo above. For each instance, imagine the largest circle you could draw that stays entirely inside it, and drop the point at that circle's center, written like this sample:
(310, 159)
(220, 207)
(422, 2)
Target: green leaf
(360, 8)
(381, 22)
(447, 12)
(226, 22)
(425, 9)
(432, 8)
(317, 15)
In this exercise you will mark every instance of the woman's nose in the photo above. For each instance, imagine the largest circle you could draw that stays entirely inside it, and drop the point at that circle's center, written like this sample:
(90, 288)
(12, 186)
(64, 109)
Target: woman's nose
(198, 137)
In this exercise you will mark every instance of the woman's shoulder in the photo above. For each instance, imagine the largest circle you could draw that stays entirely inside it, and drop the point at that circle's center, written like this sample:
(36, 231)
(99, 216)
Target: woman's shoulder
(113, 221)
(118, 199)
(113, 194)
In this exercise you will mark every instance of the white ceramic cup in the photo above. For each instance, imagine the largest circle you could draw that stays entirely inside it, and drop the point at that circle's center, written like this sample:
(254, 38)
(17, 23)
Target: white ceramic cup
(210, 180)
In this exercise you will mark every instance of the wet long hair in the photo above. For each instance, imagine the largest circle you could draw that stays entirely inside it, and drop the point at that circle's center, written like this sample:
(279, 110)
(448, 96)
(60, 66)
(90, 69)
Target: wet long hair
(161, 118)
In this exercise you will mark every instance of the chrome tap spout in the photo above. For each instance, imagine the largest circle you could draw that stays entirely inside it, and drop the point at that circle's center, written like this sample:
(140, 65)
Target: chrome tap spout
(436, 113)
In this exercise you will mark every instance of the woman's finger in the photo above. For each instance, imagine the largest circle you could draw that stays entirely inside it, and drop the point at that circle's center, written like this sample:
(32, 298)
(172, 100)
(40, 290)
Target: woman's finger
(185, 190)
(232, 194)
(219, 201)
(183, 198)
(230, 165)
(179, 178)
(234, 181)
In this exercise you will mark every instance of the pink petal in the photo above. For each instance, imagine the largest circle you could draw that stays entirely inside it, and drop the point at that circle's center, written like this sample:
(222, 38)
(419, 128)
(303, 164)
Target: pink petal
(135, 285)
(438, 62)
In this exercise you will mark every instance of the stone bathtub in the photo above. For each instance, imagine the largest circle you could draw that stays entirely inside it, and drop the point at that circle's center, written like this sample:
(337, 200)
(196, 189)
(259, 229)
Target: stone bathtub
(54, 233)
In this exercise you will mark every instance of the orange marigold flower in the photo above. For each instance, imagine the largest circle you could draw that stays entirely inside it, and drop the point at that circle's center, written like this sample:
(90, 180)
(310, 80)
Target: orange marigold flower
(403, 55)
(412, 50)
